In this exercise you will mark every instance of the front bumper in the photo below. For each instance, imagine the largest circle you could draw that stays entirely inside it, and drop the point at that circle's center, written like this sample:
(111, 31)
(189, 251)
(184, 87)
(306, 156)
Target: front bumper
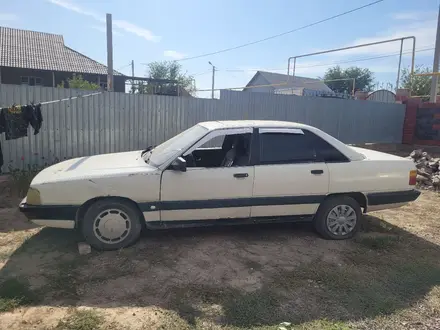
(60, 216)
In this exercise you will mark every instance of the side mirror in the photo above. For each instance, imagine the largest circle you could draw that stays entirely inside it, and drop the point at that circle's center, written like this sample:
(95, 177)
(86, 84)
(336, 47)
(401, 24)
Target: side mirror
(179, 164)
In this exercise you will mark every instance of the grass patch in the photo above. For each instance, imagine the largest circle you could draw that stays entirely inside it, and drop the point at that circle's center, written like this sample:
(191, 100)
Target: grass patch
(187, 301)
(381, 242)
(363, 290)
(15, 293)
(252, 309)
(321, 325)
(237, 308)
(4, 255)
(376, 225)
(81, 320)
(64, 281)
(253, 265)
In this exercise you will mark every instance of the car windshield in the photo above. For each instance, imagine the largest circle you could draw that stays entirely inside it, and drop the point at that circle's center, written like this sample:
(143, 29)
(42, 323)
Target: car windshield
(164, 151)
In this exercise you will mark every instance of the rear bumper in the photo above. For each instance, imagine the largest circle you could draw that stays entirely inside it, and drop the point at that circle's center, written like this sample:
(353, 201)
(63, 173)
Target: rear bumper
(59, 216)
(393, 197)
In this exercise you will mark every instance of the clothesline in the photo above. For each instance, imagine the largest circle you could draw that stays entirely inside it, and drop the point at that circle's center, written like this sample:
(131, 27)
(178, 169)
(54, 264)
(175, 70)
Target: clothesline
(70, 98)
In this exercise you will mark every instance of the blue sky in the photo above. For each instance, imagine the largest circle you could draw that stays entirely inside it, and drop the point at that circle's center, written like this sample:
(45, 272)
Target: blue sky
(148, 30)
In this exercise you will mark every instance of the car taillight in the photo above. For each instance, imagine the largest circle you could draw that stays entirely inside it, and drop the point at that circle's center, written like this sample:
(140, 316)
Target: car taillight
(412, 178)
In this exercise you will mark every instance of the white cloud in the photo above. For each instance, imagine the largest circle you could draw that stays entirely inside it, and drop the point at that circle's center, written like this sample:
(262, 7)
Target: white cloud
(413, 15)
(72, 7)
(8, 17)
(173, 54)
(424, 32)
(137, 30)
(121, 24)
(103, 29)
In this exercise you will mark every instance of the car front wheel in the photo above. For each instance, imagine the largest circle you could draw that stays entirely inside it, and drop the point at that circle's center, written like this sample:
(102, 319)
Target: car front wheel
(111, 224)
(338, 217)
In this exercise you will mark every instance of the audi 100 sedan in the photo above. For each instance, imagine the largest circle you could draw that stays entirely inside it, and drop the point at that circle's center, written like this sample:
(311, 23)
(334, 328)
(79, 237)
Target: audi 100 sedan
(221, 172)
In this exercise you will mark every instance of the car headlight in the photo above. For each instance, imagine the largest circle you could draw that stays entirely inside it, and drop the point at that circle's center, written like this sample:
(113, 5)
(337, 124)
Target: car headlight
(33, 197)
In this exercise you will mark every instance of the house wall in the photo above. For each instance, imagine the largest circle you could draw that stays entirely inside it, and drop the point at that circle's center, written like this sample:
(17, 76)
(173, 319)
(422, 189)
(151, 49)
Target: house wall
(13, 76)
(259, 81)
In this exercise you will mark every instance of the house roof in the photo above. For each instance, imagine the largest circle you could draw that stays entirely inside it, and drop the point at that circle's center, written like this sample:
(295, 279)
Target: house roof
(43, 51)
(295, 82)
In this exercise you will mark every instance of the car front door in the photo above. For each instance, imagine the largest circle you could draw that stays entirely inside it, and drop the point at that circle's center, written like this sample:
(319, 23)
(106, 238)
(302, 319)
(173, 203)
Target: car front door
(290, 179)
(207, 193)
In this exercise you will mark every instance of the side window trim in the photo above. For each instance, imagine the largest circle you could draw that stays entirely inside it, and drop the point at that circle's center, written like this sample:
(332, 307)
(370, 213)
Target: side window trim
(281, 130)
(215, 133)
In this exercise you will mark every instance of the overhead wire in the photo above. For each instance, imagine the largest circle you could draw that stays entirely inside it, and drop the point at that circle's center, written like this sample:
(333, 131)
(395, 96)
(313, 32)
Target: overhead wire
(281, 34)
(201, 73)
(123, 67)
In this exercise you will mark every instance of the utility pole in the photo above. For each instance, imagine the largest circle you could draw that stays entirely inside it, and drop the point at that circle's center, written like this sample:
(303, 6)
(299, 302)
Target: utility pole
(434, 81)
(213, 80)
(109, 53)
(132, 75)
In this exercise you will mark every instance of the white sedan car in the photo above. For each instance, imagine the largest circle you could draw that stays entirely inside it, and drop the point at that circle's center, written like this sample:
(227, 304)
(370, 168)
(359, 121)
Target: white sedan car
(221, 172)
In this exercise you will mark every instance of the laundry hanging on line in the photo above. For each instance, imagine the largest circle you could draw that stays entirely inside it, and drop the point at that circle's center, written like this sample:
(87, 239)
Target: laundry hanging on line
(15, 120)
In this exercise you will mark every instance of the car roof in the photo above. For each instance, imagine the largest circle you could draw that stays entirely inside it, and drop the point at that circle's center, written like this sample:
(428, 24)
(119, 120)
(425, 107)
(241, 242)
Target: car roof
(211, 125)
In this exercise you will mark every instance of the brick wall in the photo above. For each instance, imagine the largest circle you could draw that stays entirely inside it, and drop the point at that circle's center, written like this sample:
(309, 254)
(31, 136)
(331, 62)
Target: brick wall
(422, 123)
(409, 124)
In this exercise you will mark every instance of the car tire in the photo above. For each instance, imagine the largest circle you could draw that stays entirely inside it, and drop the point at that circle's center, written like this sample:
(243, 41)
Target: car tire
(338, 217)
(111, 224)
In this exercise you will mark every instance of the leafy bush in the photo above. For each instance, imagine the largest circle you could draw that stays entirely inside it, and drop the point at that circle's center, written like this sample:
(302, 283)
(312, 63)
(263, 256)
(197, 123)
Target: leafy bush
(23, 177)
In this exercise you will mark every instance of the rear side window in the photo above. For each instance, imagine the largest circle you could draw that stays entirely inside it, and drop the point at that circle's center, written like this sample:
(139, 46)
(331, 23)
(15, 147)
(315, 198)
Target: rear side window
(325, 151)
(286, 148)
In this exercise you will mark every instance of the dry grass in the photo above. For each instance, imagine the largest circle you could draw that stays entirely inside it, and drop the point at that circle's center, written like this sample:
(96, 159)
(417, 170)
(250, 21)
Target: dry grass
(388, 277)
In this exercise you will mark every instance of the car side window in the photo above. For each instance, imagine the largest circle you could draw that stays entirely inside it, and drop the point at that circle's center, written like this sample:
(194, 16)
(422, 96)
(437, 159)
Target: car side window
(299, 147)
(325, 151)
(285, 148)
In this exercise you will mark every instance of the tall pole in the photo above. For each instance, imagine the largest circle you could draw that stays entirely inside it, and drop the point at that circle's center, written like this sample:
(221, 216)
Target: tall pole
(434, 80)
(400, 63)
(109, 53)
(213, 80)
(132, 76)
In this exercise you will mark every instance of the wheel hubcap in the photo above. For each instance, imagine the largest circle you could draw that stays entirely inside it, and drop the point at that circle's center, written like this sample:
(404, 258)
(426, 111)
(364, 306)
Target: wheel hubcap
(341, 220)
(112, 226)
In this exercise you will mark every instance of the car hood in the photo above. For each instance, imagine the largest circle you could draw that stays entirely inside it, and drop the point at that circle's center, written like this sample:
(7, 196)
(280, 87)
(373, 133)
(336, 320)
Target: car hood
(123, 163)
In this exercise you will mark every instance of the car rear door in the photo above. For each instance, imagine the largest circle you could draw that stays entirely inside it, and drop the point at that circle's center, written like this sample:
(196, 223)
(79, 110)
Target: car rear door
(290, 179)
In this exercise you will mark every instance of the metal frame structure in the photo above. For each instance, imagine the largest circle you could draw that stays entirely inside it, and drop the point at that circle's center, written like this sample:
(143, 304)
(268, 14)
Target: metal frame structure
(359, 46)
(337, 50)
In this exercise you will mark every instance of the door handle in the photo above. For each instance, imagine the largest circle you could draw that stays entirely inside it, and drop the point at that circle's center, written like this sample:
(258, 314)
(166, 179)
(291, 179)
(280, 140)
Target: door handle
(317, 172)
(241, 175)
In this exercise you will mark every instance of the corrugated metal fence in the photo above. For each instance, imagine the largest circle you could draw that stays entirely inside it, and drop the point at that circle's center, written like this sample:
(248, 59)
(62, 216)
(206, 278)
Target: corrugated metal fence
(113, 122)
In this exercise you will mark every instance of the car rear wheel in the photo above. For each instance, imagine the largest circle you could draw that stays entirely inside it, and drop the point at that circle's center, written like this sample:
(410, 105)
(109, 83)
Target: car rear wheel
(338, 217)
(111, 224)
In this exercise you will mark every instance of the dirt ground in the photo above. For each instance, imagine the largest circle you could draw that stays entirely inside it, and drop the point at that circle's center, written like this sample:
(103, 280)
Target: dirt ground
(252, 277)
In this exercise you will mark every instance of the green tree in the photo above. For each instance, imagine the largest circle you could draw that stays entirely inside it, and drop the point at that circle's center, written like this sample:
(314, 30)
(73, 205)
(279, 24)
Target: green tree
(169, 70)
(418, 85)
(363, 79)
(77, 81)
